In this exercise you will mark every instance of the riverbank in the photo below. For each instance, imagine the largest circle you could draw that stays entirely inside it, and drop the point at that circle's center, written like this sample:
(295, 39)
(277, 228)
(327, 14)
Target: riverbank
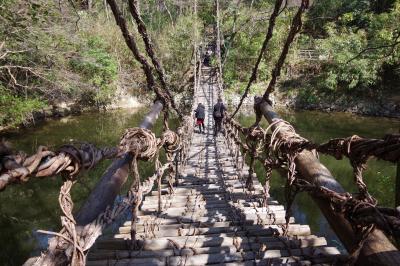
(382, 106)
(379, 106)
(388, 106)
(72, 109)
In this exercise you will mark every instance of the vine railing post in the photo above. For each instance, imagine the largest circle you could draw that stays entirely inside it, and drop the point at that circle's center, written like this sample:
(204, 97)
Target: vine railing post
(109, 186)
(159, 194)
(397, 199)
(218, 50)
(397, 202)
(377, 248)
(134, 220)
(178, 157)
(253, 154)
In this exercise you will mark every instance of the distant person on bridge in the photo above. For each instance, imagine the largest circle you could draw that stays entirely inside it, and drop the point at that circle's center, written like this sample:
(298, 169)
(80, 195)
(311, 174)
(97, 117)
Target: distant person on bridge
(207, 58)
(218, 115)
(200, 114)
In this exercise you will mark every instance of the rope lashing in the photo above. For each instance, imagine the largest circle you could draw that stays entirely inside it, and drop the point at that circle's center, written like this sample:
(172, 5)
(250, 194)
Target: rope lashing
(171, 141)
(64, 241)
(86, 156)
(280, 149)
(69, 160)
(252, 137)
(172, 144)
(68, 238)
(68, 222)
(139, 142)
(360, 213)
(70, 246)
(359, 149)
(143, 145)
(285, 148)
(20, 166)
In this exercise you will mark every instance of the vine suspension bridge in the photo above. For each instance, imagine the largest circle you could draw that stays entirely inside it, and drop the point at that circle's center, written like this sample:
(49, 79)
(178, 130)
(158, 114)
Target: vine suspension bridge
(211, 218)
(209, 207)
(204, 205)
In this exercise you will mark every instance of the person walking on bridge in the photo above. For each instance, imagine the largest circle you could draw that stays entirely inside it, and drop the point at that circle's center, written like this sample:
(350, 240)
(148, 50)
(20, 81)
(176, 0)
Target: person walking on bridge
(200, 114)
(218, 115)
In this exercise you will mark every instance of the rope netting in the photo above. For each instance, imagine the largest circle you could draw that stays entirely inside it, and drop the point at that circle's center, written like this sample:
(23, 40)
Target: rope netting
(71, 244)
(279, 148)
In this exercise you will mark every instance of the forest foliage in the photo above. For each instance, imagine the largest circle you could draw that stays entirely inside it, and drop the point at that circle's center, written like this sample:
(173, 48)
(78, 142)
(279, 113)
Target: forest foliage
(355, 47)
(54, 52)
(72, 53)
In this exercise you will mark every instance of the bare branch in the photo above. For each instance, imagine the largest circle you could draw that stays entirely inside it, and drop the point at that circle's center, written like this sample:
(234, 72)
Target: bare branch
(77, 14)
(29, 69)
(11, 52)
(14, 79)
(284, 7)
(7, 52)
(393, 45)
(169, 13)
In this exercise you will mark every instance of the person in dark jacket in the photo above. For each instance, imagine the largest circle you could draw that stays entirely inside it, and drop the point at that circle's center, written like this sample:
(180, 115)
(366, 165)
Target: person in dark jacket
(200, 115)
(218, 115)
(207, 58)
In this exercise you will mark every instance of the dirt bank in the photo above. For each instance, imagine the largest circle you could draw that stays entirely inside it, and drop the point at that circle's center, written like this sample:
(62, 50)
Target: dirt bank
(383, 106)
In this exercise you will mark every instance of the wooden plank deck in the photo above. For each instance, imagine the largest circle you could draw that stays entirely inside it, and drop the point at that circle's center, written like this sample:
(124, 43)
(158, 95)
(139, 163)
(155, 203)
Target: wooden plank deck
(211, 219)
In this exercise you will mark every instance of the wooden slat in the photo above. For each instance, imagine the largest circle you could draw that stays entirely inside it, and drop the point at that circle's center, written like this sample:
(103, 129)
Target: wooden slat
(212, 219)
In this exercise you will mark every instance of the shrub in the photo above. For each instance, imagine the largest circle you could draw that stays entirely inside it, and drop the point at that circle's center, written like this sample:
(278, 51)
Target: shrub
(99, 69)
(16, 110)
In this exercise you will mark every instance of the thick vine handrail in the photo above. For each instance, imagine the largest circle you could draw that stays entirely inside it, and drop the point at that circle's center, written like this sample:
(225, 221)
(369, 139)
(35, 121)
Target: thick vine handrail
(70, 245)
(69, 160)
(275, 152)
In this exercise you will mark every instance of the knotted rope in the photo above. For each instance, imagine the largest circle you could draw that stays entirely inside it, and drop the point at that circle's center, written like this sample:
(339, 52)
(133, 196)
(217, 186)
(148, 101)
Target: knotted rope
(280, 149)
(140, 142)
(71, 244)
(171, 142)
(69, 160)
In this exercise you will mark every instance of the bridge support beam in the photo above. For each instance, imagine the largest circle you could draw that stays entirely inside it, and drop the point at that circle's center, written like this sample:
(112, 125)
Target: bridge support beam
(114, 178)
(377, 249)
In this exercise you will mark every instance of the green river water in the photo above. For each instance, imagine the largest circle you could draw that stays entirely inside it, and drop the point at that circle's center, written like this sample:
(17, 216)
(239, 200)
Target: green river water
(32, 206)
